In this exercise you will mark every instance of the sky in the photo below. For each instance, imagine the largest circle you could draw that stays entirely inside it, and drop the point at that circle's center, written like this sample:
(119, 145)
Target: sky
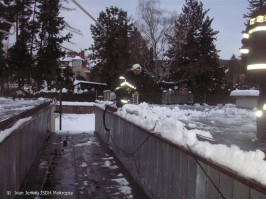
(227, 15)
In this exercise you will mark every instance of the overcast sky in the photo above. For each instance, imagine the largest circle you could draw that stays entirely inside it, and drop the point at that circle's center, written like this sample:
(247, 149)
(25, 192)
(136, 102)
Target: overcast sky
(227, 14)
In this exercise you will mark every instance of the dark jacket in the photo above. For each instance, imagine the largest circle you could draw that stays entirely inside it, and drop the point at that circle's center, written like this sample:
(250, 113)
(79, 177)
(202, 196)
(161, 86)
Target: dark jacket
(126, 86)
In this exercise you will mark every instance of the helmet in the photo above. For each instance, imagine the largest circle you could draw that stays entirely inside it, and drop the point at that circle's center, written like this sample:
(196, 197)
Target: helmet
(136, 66)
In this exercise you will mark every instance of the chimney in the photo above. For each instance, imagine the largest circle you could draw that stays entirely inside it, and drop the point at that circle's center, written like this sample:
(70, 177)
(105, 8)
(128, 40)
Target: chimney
(82, 54)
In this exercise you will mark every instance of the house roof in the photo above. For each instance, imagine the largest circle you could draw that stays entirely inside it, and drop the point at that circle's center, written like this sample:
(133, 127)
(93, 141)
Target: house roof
(239, 93)
(76, 82)
(69, 59)
(77, 58)
(66, 59)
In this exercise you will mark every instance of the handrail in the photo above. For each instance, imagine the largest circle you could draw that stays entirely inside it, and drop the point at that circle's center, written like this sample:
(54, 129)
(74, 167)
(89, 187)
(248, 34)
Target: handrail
(10, 23)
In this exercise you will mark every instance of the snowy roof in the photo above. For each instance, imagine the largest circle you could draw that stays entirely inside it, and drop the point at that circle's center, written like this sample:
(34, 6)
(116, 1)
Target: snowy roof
(237, 93)
(65, 59)
(69, 59)
(76, 82)
(77, 58)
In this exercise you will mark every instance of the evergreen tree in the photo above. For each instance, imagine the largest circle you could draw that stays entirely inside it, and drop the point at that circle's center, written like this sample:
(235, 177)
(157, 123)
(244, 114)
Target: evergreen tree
(4, 72)
(20, 60)
(256, 7)
(233, 73)
(110, 51)
(50, 36)
(193, 57)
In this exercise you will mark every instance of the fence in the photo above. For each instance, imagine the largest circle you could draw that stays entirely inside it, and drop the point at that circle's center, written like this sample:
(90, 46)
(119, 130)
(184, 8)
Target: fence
(166, 170)
(19, 150)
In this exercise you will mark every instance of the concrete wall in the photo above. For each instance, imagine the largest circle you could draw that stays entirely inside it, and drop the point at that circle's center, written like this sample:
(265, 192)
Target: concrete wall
(19, 150)
(246, 102)
(166, 170)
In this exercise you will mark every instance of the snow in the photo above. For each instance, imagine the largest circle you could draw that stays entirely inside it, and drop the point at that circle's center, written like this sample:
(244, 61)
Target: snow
(124, 188)
(181, 125)
(237, 93)
(75, 124)
(7, 132)
(74, 103)
(86, 144)
(83, 165)
(109, 165)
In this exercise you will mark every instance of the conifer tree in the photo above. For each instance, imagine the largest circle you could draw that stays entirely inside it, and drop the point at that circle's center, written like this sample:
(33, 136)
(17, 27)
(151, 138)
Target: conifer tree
(50, 40)
(256, 7)
(193, 57)
(19, 59)
(4, 71)
(110, 51)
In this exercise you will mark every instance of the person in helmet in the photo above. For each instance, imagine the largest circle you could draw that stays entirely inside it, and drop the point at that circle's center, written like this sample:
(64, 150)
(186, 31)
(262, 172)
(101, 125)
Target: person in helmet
(127, 85)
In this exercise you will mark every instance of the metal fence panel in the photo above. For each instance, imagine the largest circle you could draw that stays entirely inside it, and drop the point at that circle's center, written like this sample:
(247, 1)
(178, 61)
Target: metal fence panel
(166, 170)
(201, 181)
(226, 186)
(240, 191)
(19, 150)
(212, 193)
(192, 174)
(176, 174)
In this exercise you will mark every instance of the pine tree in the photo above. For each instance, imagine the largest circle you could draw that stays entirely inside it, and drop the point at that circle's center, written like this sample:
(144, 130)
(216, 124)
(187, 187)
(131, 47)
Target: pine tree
(233, 73)
(256, 7)
(20, 60)
(4, 13)
(110, 51)
(50, 40)
(193, 57)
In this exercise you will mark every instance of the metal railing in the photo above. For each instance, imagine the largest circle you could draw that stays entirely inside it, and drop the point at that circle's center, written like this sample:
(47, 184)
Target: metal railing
(166, 170)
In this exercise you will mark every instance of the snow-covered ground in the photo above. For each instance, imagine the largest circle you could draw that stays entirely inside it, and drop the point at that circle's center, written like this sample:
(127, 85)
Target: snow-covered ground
(75, 123)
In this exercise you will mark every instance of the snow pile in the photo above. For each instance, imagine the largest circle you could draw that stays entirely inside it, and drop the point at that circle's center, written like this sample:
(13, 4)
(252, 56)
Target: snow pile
(250, 164)
(5, 133)
(169, 123)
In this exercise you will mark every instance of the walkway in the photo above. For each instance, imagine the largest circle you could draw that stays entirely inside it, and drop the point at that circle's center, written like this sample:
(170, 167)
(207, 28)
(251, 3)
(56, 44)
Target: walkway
(78, 166)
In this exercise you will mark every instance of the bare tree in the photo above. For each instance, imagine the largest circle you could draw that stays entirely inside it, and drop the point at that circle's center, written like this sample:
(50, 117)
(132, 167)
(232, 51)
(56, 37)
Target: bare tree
(153, 23)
